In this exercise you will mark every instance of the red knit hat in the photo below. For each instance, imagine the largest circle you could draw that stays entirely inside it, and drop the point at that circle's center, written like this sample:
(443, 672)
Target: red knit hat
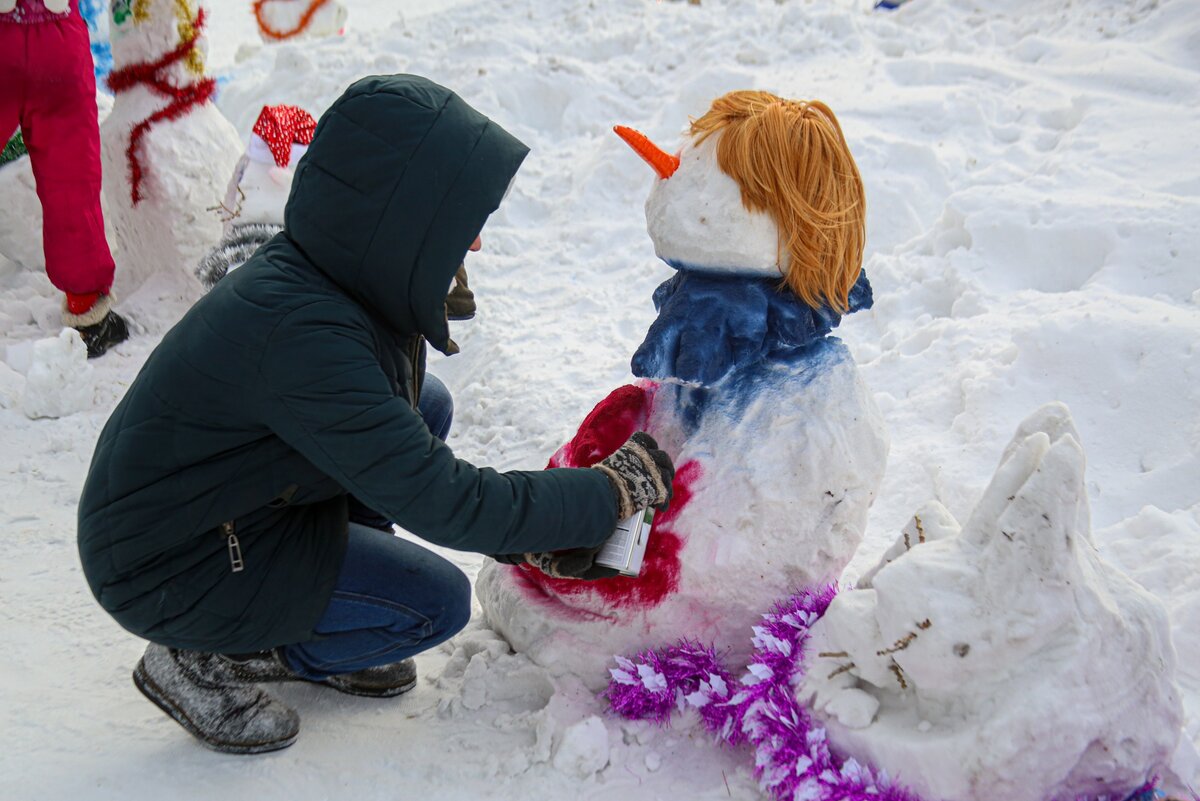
(284, 130)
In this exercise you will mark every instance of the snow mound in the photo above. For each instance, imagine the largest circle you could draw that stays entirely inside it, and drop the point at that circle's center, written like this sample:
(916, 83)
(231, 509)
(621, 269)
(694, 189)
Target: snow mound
(583, 749)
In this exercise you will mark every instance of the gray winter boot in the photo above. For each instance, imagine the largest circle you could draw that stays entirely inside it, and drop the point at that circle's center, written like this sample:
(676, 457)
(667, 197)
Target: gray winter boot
(202, 694)
(384, 681)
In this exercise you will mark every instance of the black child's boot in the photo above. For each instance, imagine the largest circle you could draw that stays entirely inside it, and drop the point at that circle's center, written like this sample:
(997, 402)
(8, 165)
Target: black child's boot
(202, 693)
(98, 325)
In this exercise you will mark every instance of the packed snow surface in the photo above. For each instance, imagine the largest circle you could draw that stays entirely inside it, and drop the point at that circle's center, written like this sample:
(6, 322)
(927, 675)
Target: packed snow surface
(1033, 235)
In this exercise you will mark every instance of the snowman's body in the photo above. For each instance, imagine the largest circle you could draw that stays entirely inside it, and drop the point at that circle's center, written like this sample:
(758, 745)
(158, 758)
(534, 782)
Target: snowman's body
(257, 191)
(778, 446)
(186, 161)
(252, 213)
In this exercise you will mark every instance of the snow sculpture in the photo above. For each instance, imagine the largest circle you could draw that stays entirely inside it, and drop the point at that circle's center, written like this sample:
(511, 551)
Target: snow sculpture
(1004, 659)
(279, 20)
(167, 151)
(778, 446)
(252, 211)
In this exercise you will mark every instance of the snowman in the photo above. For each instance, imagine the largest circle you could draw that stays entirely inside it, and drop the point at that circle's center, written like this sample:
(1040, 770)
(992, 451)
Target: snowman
(167, 151)
(252, 211)
(279, 20)
(778, 445)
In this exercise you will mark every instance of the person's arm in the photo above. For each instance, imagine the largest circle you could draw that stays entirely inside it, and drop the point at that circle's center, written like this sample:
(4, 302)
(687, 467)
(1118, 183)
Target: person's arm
(325, 395)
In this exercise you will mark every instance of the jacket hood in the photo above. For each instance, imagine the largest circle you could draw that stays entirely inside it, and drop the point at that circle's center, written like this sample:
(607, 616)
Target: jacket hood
(399, 179)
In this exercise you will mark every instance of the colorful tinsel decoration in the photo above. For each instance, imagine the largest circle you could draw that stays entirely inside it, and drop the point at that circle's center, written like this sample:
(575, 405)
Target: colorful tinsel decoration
(183, 98)
(793, 761)
(14, 150)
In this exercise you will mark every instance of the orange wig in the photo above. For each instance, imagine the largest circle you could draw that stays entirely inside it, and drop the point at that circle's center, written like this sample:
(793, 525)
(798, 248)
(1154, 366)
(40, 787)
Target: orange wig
(791, 161)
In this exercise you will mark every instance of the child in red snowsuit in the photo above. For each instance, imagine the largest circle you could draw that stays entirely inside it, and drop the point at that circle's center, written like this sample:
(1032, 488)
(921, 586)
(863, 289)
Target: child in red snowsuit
(48, 88)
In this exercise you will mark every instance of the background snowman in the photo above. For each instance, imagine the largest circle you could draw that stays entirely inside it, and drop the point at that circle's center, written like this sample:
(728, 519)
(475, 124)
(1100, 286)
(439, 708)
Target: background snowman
(167, 150)
(281, 20)
(252, 211)
(778, 445)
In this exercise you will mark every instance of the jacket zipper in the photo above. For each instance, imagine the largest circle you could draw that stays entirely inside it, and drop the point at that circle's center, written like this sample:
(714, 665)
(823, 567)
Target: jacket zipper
(236, 564)
(416, 354)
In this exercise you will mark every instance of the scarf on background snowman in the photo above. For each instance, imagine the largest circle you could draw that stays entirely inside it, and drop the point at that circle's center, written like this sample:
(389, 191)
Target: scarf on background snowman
(710, 324)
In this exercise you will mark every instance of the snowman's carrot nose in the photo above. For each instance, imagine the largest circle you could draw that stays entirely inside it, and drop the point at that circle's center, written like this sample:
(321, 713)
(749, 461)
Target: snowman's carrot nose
(663, 163)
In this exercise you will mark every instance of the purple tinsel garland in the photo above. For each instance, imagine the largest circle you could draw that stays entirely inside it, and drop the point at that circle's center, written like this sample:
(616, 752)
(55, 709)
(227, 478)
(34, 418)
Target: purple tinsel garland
(792, 757)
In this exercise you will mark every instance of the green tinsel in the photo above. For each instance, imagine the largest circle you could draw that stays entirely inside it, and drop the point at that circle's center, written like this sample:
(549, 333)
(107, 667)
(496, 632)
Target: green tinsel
(13, 150)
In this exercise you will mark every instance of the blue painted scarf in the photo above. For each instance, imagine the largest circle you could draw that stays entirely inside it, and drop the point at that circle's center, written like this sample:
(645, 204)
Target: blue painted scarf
(712, 323)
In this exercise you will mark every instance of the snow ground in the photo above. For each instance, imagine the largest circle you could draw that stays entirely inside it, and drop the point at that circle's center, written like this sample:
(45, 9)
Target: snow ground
(1034, 235)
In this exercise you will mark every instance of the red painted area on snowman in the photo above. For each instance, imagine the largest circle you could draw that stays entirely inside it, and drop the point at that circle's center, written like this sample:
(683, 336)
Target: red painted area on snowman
(625, 410)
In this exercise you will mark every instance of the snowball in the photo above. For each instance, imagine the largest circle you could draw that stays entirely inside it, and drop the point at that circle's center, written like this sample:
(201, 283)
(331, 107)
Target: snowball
(855, 708)
(60, 381)
(583, 749)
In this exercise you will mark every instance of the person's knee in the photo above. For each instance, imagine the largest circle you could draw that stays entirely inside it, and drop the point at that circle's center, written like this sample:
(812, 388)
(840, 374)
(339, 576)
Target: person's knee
(436, 406)
(456, 611)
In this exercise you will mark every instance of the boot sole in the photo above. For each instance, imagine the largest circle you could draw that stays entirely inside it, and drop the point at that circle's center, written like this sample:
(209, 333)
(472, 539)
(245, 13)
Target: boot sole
(155, 694)
(388, 692)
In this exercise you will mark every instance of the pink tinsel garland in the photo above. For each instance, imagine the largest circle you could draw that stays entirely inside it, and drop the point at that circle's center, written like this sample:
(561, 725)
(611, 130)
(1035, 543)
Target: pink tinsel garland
(792, 756)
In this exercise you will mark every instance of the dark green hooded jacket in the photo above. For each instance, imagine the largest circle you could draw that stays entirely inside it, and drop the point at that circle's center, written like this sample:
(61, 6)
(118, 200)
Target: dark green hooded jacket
(294, 383)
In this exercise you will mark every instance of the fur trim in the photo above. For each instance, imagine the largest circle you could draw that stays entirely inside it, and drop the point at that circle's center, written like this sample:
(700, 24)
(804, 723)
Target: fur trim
(233, 250)
(98, 312)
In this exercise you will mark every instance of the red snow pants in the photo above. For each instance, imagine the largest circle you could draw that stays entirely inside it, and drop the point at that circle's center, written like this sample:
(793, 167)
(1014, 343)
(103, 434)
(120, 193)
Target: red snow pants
(49, 90)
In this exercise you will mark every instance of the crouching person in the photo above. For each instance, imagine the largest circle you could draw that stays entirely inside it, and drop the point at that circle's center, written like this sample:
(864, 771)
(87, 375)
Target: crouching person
(215, 517)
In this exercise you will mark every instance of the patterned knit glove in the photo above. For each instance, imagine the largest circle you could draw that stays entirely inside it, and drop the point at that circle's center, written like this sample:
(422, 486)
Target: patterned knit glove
(577, 563)
(641, 477)
(640, 474)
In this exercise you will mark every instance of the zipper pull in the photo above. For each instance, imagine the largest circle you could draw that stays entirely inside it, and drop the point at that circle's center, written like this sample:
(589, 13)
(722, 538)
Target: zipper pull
(236, 564)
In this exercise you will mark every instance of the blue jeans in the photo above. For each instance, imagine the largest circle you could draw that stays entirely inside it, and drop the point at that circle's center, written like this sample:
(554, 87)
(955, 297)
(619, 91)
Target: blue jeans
(435, 406)
(392, 598)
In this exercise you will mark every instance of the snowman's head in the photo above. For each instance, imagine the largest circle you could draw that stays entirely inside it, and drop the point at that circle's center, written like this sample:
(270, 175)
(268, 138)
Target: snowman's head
(762, 186)
(262, 179)
(145, 30)
(281, 20)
